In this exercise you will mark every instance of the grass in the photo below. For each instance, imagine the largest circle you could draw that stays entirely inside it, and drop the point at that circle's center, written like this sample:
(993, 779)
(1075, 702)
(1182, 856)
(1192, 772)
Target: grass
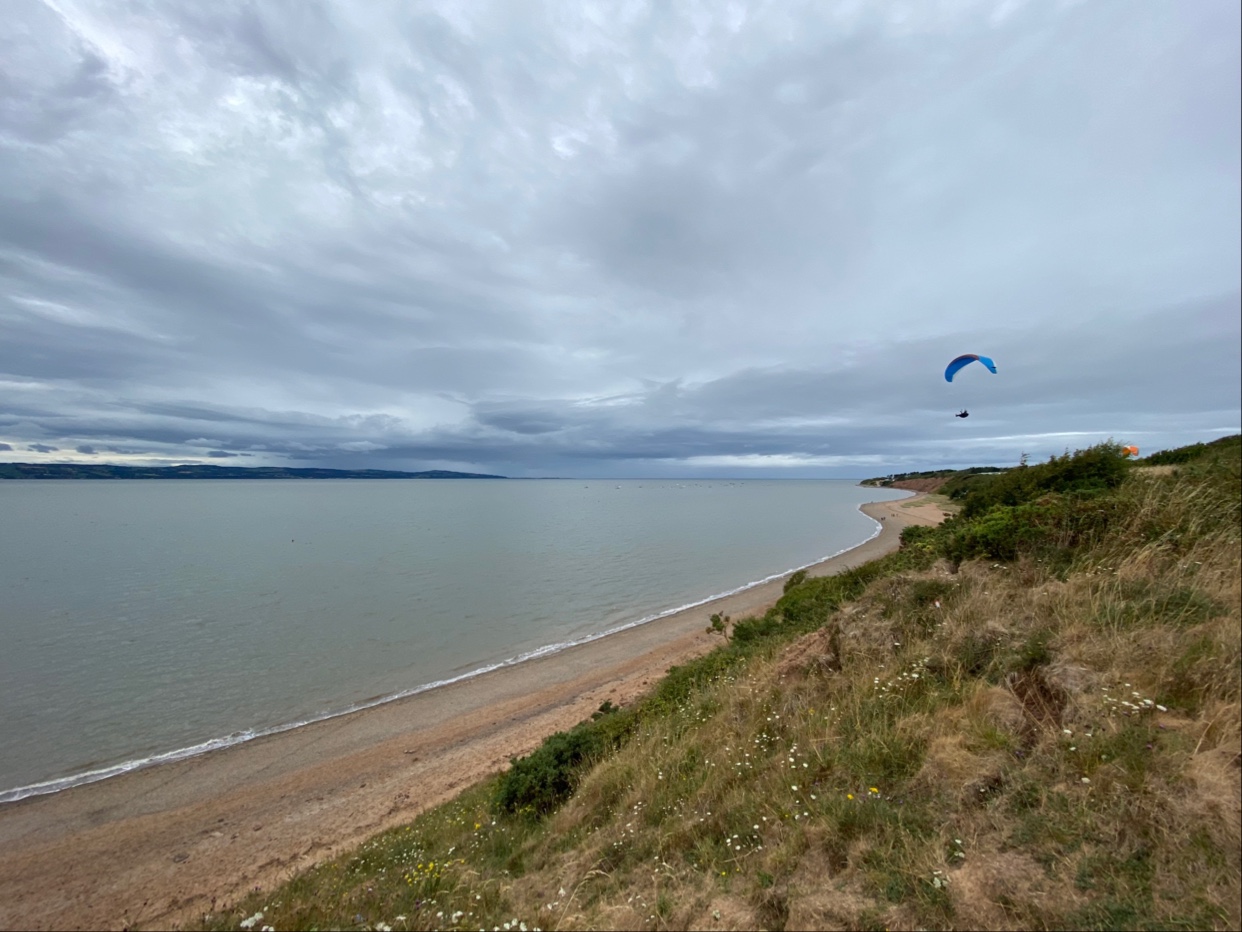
(938, 739)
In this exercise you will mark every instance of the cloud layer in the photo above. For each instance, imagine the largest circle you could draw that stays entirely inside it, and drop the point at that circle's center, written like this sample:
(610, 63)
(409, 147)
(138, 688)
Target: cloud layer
(601, 239)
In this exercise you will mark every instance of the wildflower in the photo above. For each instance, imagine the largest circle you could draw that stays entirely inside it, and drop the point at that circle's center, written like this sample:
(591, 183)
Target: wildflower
(849, 795)
(874, 790)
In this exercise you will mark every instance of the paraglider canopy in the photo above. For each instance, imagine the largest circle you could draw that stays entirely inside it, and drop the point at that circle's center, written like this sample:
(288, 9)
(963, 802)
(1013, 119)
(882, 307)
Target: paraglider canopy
(965, 360)
(1130, 450)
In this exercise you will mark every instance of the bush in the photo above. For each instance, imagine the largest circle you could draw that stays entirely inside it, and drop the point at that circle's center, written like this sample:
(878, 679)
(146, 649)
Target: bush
(751, 630)
(1051, 528)
(795, 579)
(683, 681)
(808, 606)
(1194, 451)
(540, 782)
(914, 534)
(969, 480)
(1094, 469)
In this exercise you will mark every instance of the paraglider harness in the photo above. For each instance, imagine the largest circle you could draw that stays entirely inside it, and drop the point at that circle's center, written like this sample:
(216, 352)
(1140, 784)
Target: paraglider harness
(963, 413)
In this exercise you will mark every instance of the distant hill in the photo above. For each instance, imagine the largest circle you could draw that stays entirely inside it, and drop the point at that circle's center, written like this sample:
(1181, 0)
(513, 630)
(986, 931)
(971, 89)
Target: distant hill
(101, 471)
(932, 480)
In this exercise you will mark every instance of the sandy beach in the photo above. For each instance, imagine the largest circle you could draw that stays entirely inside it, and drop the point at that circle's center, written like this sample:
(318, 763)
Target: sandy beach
(157, 848)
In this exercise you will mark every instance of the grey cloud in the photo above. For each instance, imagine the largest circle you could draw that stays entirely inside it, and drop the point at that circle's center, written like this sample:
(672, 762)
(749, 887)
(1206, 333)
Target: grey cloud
(52, 83)
(571, 239)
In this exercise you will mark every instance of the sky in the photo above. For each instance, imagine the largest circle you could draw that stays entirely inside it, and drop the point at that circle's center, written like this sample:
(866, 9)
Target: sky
(620, 239)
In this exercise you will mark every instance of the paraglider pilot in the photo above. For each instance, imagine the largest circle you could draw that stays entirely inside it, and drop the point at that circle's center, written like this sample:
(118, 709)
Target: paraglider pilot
(962, 413)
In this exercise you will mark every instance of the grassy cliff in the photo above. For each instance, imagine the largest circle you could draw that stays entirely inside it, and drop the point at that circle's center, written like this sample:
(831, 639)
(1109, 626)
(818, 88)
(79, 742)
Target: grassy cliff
(1026, 718)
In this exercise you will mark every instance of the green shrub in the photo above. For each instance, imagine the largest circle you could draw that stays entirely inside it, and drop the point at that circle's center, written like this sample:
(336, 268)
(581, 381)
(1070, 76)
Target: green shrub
(1094, 469)
(1194, 451)
(969, 481)
(914, 534)
(1051, 528)
(540, 782)
(751, 630)
(796, 579)
(684, 680)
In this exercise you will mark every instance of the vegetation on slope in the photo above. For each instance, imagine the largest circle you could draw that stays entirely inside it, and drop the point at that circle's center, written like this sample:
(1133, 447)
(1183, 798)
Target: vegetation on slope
(1193, 452)
(1026, 718)
(929, 480)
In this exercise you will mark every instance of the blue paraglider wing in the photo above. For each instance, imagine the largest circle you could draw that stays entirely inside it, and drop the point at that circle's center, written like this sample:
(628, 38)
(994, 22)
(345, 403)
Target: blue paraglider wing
(965, 360)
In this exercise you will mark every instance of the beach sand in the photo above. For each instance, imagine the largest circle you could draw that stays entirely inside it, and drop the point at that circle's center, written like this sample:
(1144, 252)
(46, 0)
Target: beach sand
(160, 847)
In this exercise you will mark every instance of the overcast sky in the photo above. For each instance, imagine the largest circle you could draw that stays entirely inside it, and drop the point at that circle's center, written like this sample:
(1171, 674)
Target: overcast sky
(617, 239)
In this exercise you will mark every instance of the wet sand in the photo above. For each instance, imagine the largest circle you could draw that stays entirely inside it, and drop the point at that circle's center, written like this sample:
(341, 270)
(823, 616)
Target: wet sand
(157, 848)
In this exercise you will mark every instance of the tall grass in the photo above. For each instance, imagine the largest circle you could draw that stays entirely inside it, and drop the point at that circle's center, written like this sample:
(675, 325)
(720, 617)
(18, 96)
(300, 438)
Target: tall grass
(939, 739)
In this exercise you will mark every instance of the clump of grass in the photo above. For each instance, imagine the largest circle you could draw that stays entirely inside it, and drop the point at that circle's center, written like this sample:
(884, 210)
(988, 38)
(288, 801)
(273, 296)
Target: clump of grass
(1046, 740)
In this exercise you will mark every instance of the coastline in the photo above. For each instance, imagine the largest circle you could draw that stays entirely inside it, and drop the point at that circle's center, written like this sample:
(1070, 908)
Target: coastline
(160, 845)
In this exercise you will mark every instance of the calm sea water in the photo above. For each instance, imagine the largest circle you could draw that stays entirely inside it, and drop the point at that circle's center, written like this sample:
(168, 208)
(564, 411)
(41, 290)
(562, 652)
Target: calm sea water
(147, 620)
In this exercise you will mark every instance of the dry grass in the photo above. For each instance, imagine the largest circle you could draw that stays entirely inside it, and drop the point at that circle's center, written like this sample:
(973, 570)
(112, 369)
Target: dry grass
(1002, 747)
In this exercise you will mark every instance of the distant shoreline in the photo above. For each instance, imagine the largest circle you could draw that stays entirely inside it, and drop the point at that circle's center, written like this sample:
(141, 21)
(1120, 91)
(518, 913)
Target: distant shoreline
(208, 471)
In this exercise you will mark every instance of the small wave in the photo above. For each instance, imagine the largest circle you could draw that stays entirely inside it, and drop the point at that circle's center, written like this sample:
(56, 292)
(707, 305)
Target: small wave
(241, 737)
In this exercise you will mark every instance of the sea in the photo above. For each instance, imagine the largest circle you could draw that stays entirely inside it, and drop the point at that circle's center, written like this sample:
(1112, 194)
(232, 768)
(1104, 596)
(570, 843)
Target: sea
(144, 621)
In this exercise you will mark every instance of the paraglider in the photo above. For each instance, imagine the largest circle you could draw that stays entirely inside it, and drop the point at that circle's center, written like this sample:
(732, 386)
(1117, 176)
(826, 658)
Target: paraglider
(1130, 451)
(960, 363)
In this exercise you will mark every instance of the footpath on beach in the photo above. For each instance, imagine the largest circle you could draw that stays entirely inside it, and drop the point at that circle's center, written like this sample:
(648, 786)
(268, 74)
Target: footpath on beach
(158, 847)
